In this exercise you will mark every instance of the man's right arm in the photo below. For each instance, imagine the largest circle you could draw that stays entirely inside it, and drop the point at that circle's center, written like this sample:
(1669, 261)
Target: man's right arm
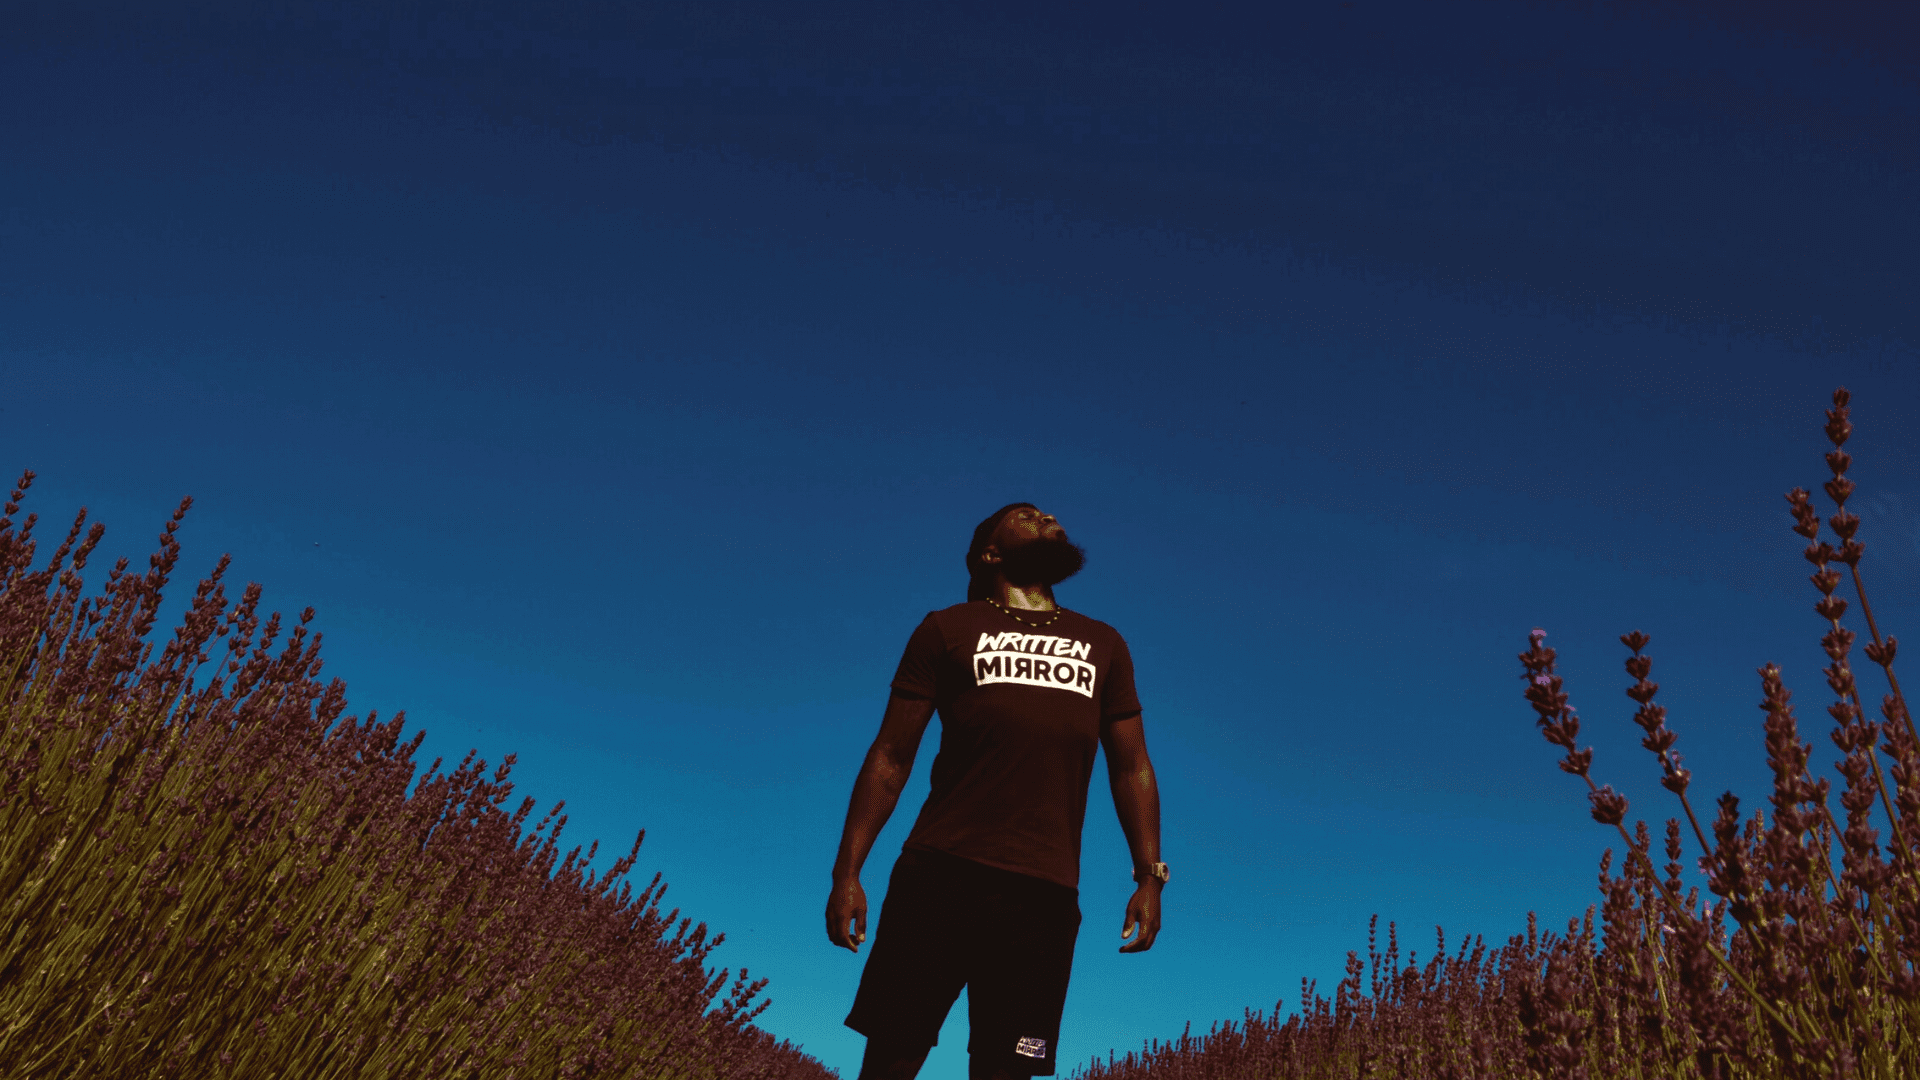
(875, 792)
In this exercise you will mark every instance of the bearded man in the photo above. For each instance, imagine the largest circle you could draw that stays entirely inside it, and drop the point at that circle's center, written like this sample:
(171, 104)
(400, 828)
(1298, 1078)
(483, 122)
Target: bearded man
(985, 893)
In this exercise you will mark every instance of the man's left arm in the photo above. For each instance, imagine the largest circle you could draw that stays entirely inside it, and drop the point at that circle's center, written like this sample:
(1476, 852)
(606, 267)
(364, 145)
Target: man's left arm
(1136, 798)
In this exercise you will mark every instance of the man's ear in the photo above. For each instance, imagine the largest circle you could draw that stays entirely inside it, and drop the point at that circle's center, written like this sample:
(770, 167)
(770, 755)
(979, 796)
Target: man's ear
(990, 554)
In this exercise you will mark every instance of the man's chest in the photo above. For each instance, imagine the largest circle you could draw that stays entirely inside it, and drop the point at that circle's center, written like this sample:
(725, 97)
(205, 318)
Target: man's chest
(1051, 669)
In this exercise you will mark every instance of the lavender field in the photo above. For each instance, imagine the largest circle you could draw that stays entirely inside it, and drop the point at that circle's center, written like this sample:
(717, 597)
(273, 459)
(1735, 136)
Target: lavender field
(210, 869)
(619, 385)
(1801, 960)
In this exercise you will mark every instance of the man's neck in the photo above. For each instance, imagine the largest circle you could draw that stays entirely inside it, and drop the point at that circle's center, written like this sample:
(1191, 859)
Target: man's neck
(1023, 597)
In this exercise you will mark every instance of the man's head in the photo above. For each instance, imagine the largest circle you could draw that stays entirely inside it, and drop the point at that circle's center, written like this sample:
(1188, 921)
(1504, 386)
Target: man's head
(1025, 546)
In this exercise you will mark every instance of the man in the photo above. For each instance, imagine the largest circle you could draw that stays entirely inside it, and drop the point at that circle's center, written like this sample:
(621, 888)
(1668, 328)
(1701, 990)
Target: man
(985, 892)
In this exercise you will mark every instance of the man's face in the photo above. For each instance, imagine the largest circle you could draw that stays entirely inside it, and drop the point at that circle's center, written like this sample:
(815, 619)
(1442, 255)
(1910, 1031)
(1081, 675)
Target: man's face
(1034, 549)
(1023, 525)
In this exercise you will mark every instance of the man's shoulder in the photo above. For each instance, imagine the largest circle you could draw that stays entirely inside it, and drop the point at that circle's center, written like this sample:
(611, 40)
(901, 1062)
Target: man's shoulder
(966, 609)
(1095, 624)
(943, 620)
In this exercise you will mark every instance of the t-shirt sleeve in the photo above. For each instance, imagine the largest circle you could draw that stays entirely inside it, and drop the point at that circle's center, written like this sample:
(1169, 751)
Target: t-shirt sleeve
(918, 675)
(1120, 700)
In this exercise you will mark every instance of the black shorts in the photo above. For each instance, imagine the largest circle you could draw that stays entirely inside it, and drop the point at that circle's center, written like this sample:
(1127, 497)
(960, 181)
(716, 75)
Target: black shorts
(950, 922)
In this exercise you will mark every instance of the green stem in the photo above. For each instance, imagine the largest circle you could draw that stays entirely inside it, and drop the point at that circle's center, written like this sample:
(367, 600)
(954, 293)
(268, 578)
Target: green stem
(1886, 665)
(1725, 965)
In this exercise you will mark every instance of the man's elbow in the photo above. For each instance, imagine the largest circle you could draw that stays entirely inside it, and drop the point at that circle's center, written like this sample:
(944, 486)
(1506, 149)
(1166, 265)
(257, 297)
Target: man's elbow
(886, 767)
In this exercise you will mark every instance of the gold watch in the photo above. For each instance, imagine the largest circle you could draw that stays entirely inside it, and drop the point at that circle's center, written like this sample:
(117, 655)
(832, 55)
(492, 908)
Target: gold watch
(1157, 871)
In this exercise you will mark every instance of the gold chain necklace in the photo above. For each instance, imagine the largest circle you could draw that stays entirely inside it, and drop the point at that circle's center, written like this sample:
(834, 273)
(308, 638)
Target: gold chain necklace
(1057, 610)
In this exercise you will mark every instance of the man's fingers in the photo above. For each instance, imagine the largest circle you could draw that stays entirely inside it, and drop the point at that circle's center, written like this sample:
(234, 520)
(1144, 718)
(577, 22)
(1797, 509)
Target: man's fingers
(847, 916)
(839, 933)
(1144, 919)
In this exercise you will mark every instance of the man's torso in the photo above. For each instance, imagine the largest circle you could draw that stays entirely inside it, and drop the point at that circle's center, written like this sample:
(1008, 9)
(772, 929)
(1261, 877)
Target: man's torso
(1022, 708)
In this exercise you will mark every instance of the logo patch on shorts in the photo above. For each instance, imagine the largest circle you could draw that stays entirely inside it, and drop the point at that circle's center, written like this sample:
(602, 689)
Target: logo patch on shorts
(1031, 1047)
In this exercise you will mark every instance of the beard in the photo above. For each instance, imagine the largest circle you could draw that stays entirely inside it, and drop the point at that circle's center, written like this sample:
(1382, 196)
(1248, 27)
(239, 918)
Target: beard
(1046, 561)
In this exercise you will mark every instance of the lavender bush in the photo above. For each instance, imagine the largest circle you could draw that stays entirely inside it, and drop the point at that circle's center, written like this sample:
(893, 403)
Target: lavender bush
(1805, 961)
(207, 870)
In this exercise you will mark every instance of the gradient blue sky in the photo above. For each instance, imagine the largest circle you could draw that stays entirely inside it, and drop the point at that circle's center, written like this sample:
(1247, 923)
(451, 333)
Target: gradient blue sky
(621, 384)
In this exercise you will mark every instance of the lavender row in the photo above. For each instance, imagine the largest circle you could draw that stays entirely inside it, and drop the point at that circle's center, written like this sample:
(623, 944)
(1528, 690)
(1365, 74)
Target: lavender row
(208, 869)
(1801, 960)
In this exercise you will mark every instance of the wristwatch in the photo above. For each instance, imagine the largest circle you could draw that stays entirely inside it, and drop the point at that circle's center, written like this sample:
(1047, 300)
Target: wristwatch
(1156, 870)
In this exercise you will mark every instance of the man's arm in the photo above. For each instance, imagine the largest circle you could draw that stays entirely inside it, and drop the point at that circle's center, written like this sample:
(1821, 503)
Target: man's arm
(875, 791)
(1136, 798)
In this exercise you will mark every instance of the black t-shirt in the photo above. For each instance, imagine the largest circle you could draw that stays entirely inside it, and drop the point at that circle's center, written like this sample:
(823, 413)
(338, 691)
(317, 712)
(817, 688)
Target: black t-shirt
(1022, 709)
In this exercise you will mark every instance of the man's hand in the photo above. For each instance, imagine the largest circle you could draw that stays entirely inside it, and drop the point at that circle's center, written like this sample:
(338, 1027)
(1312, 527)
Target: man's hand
(1143, 914)
(848, 904)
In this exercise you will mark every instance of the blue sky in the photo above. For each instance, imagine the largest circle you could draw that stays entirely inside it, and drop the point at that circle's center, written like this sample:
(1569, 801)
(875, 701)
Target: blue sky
(622, 385)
